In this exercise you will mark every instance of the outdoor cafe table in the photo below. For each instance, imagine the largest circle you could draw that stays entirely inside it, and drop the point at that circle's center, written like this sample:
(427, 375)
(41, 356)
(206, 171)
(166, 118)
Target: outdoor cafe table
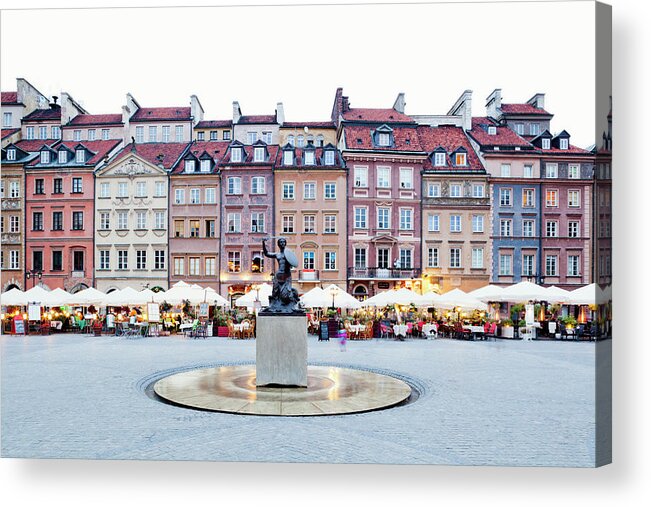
(400, 330)
(56, 324)
(430, 330)
(357, 328)
(475, 330)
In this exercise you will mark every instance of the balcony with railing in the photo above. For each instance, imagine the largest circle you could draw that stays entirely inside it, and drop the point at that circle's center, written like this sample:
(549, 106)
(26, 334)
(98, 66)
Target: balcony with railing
(383, 273)
(308, 275)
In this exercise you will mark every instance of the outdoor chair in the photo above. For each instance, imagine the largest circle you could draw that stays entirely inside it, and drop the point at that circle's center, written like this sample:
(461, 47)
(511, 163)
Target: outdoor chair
(368, 332)
(199, 331)
(232, 332)
(249, 332)
(45, 328)
(386, 331)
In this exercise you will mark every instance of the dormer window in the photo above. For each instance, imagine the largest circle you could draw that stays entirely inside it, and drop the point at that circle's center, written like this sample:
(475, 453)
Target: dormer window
(288, 157)
(439, 159)
(63, 157)
(492, 130)
(45, 157)
(205, 165)
(546, 143)
(329, 157)
(236, 155)
(384, 139)
(11, 154)
(189, 166)
(460, 159)
(309, 157)
(80, 156)
(564, 145)
(258, 154)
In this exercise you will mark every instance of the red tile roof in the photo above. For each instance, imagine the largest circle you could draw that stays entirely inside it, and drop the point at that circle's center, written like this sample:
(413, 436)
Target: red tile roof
(450, 138)
(44, 114)
(33, 145)
(9, 132)
(9, 97)
(206, 124)
(161, 114)
(150, 152)
(376, 116)
(523, 109)
(248, 159)
(216, 149)
(99, 149)
(298, 160)
(97, 119)
(358, 137)
(313, 124)
(504, 135)
(257, 119)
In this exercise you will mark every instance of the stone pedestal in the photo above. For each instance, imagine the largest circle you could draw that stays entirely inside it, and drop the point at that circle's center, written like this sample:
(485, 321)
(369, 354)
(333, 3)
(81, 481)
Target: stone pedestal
(281, 350)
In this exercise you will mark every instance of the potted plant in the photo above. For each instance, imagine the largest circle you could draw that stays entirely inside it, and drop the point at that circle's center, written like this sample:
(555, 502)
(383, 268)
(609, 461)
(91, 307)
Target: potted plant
(221, 321)
(506, 330)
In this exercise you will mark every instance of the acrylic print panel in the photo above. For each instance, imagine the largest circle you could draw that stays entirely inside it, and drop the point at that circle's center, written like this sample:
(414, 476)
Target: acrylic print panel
(441, 173)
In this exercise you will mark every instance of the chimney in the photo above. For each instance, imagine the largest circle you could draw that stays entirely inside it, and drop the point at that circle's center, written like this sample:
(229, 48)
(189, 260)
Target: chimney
(126, 114)
(538, 101)
(399, 104)
(69, 108)
(337, 105)
(196, 110)
(494, 104)
(280, 113)
(237, 112)
(53, 104)
(463, 107)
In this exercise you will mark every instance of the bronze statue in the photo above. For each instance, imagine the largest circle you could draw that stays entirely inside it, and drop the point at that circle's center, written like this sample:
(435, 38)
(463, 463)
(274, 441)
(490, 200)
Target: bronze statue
(284, 299)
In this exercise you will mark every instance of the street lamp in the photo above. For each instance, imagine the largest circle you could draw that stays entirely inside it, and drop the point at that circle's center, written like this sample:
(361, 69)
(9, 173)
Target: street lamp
(333, 293)
(34, 273)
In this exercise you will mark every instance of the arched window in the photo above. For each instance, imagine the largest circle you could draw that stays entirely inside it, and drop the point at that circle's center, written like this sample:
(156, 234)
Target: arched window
(319, 140)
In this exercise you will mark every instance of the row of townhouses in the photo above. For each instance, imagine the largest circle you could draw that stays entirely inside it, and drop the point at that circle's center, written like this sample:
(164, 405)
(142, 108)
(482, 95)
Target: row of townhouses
(369, 199)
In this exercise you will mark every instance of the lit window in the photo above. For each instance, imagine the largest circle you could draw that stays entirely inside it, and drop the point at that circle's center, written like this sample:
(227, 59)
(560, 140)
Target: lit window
(528, 198)
(234, 262)
(551, 198)
(460, 159)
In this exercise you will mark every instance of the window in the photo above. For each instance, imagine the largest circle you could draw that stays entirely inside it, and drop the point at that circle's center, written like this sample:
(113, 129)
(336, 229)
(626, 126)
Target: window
(528, 228)
(57, 220)
(189, 166)
(159, 259)
(123, 221)
(104, 259)
(141, 220)
(551, 265)
(505, 170)
(478, 190)
(383, 177)
(288, 157)
(519, 128)
(234, 222)
(434, 190)
(288, 190)
(179, 228)
(195, 196)
(77, 187)
(361, 177)
(210, 196)
(432, 257)
(455, 190)
(13, 259)
(30, 133)
(433, 223)
(439, 159)
(574, 171)
(551, 198)
(92, 135)
(123, 259)
(105, 134)
(319, 140)
(505, 197)
(11, 154)
(14, 223)
(477, 223)
(506, 227)
(257, 222)
(572, 265)
(534, 129)
(290, 140)
(251, 137)
(383, 258)
(122, 189)
(564, 144)
(104, 221)
(361, 217)
(77, 220)
(42, 132)
(159, 220)
(329, 157)
(76, 135)
(39, 188)
(527, 265)
(310, 159)
(178, 131)
(506, 265)
(257, 261)
(62, 157)
(330, 190)
(45, 157)
(288, 224)
(455, 223)
(455, 257)
(37, 221)
(492, 130)
(236, 155)
(528, 197)
(141, 189)
(528, 171)
(14, 189)
(406, 219)
(477, 258)
(460, 159)
(234, 262)
(406, 178)
(226, 135)
(573, 229)
(330, 224)
(210, 266)
(195, 226)
(179, 266)
(551, 170)
(257, 185)
(384, 139)
(405, 256)
(300, 141)
(330, 263)
(360, 258)
(213, 135)
(193, 266)
(140, 134)
(551, 229)
(7, 119)
(234, 186)
(166, 133)
(210, 229)
(309, 224)
(78, 260)
(258, 154)
(141, 259)
(179, 196)
(159, 189)
(37, 260)
(308, 259)
(153, 134)
(201, 136)
(204, 165)
(573, 198)
(80, 156)
(546, 144)
(383, 218)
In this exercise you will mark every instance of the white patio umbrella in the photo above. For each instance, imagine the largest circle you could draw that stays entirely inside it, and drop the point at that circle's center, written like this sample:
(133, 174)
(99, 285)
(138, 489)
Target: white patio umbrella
(262, 295)
(429, 299)
(90, 296)
(37, 294)
(487, 293)
(557, 295)
(341, 298)
(523, 292)
(456, 298)
(402, 296)
(586, 295)
(59, 297)
(147, 295)
(176, 295)
(210, 295)
(124, 297)
(181, 283)
(13, 297)
(314, 298)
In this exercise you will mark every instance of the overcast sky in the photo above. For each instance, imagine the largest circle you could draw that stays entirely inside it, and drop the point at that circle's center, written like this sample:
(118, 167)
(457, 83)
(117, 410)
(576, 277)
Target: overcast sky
(300, 55)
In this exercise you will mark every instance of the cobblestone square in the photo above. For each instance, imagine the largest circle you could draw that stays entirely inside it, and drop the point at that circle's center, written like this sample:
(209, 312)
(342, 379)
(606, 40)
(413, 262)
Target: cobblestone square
(482, 403)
